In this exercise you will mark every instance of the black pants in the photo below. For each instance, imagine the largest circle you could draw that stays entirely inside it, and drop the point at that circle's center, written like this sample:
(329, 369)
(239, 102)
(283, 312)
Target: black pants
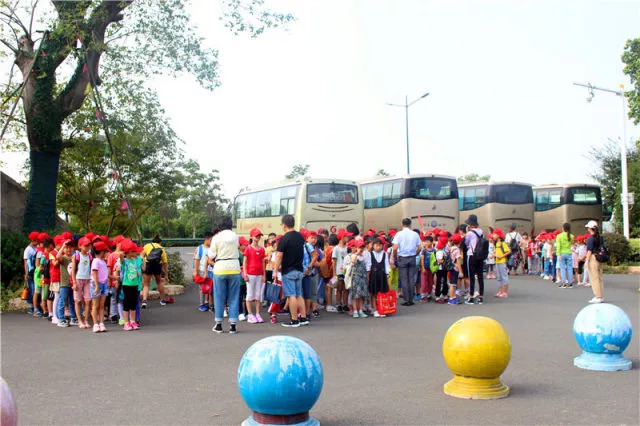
(243, 297)
(442, 288)
(130, 297)
(475, 268)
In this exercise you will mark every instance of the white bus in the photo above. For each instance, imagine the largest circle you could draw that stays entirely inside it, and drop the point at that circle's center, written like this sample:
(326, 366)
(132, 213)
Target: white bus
(314, 203)
(433, 198)
(498, 204)
(576, 204)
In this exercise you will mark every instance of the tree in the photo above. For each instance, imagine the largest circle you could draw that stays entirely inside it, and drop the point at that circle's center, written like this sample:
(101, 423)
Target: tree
(132, 40)
(382, 172)
(474, 177)
(299, 170)
(631, 59)
(607, 174)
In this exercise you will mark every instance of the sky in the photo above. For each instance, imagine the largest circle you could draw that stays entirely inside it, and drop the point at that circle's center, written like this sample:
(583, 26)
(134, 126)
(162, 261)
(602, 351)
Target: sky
(499, 75)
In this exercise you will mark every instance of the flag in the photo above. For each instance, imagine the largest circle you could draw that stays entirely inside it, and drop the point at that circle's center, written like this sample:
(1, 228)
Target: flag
(420, 221)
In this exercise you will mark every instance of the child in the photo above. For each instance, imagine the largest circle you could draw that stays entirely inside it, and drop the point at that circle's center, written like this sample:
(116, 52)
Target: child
(441, 274)
(37, 276)
(200, 268)
(426, 278)
(502, 253)
(339, 253)
(114, 279)
(330, 281)
(456, 259)
(574, 262)
(309, 261)
(254, 274)
(63, 259)
(243, 243)
(54, 277)
(394, 275)
(99, 286)
(81, 272)
(360, 283)
(491, 259)
(45, 263)
(548, 258)
(275, 308)
(131, 277)
(378, 274)
(581, 252)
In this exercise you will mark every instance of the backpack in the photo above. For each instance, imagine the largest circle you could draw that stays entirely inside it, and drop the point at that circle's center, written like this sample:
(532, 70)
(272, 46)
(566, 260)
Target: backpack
(31, 263)
(77, 257)
(155, 255)
(481, 251)
(602, 252)
(447, 265)
(513, 245)
(46, 273)
(433, 263)
(324, 266)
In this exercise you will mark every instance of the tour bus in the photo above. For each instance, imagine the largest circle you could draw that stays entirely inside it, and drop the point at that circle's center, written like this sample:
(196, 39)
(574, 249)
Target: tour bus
(432, 199)
(314, 203)
(576, 204)
(498, 204)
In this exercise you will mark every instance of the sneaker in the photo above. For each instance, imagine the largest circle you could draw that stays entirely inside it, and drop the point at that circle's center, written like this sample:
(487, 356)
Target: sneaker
(163, 303)
(438, 300)
(337, 309)
(86, 324)
(304, 321)
(587, 284)
(55, 321)
(291, 324)
(203, 308)
(251, 319)
(102, 327)
(96, 328)
(38, 314)
(226, 313)
(217, 328)
(346, 308)
(169, 300)
(498, 294)
(135, 325)
(274, 319)
(63, 323)
(242, 317)
(315, 314)
(127, 327)
(121, 321)
(144, 304)
(596, 300)
(114, 319)
(479, 300)
(505, 296)
(232, 329)
(259, 319)
(331, 308)
(453, 301)
(355, 315)
(377, 314)
(570, 285)
(73, 322)
(362, 315)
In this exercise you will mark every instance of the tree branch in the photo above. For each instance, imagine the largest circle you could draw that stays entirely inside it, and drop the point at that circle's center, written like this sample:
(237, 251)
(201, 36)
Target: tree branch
(9, 45)
(33, 12)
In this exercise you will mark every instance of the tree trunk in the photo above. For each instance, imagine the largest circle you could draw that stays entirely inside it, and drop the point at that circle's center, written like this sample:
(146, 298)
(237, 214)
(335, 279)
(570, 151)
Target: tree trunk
(40, 211)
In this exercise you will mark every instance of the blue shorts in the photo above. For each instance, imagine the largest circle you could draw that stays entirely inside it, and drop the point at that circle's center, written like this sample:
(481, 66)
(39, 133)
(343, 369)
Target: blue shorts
(103, 290)
(292, 284)
(307, 280)
(453, 278)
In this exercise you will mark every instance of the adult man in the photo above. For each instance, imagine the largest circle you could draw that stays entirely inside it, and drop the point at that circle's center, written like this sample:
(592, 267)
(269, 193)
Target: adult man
(289, 255)
(29, 260)
(155, 264)
(474, 265)
(406, 246)
(514, 240)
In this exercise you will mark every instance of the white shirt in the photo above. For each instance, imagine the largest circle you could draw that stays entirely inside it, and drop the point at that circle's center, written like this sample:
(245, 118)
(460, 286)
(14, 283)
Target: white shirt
(407, 242)
(338, 254)
(29, 251)
(378, 257)
(224, 251)
(513, 236)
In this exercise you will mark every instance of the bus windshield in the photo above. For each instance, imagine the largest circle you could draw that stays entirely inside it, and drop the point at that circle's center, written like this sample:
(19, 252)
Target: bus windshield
(432, 189)
(512, 194)
(332, 193)
(588, 196)
(473, 197)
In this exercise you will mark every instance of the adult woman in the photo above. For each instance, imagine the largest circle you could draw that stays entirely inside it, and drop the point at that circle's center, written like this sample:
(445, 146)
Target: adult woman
(226, 275)
(591, 263)
(563, 251)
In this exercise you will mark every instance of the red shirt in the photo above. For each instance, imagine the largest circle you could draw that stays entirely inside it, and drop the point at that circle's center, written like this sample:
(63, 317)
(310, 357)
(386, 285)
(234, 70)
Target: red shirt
(54, 271)
(111, 263)
(254, 259)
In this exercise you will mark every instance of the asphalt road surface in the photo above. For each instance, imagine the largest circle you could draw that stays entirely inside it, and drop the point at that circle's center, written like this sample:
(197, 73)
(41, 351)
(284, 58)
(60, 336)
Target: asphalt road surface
(174, 370)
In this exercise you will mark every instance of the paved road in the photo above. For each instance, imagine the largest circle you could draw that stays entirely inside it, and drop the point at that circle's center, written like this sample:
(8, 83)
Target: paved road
(377, 371)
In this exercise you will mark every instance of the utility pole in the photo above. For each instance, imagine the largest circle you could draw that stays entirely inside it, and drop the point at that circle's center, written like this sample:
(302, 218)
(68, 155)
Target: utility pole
(406, 106)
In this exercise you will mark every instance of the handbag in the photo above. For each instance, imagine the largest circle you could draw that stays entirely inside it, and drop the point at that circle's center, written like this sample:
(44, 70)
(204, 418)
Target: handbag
(272, 292)
(25, 294)
(387, 302)
(602, 255)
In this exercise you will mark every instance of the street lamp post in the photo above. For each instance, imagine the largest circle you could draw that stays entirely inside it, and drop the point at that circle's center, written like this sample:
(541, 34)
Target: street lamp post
(623, 151)
(406, 106)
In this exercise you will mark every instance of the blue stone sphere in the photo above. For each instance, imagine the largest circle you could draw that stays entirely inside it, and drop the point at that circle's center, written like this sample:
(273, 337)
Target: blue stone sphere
(280, 375)
(602, 328)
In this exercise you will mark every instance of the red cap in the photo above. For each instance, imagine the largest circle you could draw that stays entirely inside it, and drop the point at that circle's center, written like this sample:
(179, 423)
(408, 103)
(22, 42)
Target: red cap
(304, 233)
(118, 239)
(68, 241)
(383, 241)
(456, 238)
(84, 241)
(34, 236)
(381, 233)
(359, 243)
(67, 235)
(343, 233)
(499, 233)
(312, 234)
(255, 232)
(43, 236)
(101, 246)
(106, 240)
(58, 239)
(441, 244)
(372, 230)
(444, 234)
(278, 238)
(90, 236)
(242, 241)
(392, 232)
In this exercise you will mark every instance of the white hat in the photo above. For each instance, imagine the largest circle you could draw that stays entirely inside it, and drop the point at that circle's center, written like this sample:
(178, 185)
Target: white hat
(591, 224)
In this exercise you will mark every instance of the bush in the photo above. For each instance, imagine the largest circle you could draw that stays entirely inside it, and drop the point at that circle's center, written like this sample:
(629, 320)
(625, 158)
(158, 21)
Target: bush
(619, 248)
(11, 260)
(635, 249)
(176, 269)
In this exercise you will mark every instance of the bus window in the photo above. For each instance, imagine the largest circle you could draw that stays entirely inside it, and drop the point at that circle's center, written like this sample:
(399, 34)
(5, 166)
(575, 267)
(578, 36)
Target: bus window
(332, 193)
(512, 194)
(287, 199)
(589, 196)
(473, 197)
(381, 194)
(547, 199)
(432, 189)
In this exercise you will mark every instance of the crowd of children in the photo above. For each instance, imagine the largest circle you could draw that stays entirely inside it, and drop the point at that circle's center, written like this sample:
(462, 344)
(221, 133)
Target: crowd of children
(82, 281)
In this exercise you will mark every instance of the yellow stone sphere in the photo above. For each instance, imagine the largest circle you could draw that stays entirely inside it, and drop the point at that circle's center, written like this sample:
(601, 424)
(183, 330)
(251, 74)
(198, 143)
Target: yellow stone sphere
(477, 347)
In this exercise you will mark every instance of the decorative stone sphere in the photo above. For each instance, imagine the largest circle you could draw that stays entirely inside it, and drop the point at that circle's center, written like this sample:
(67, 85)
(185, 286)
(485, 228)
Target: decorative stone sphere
(603, 331)
(9, 415)
(477, 350)
(280, 375)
